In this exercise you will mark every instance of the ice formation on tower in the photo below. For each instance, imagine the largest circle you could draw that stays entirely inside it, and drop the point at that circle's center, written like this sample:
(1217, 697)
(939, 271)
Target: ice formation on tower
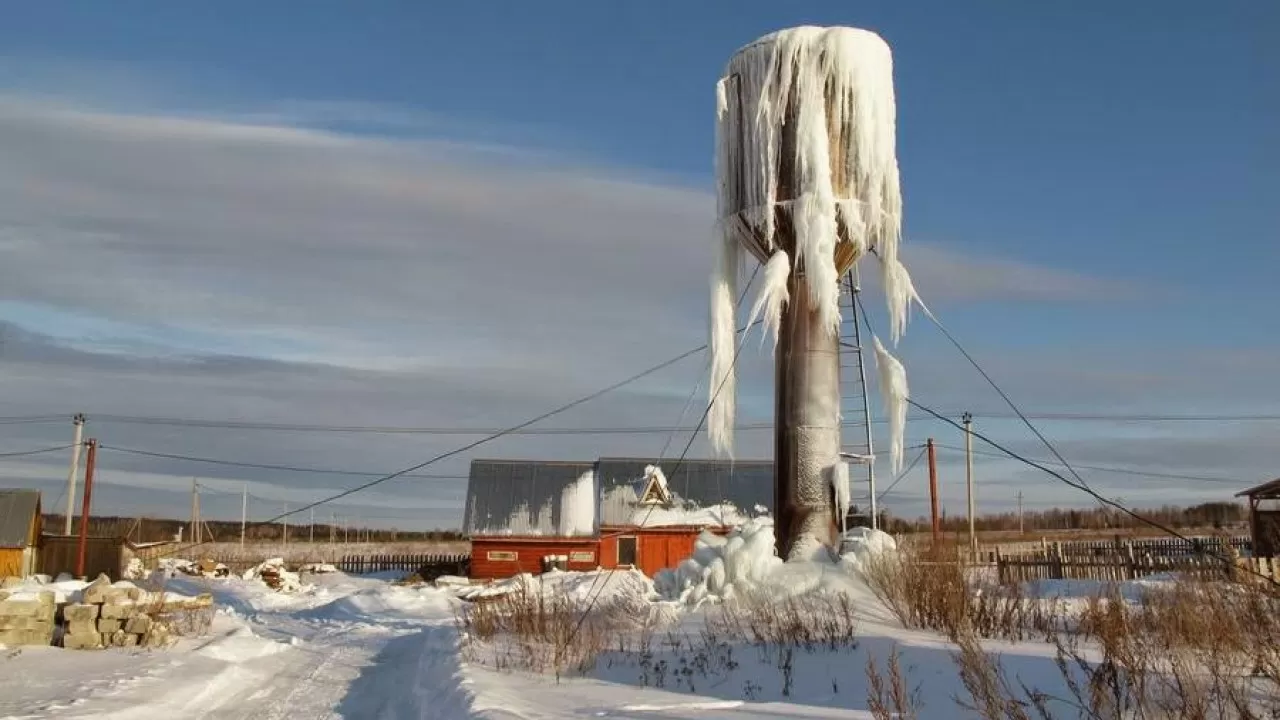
(832, 89)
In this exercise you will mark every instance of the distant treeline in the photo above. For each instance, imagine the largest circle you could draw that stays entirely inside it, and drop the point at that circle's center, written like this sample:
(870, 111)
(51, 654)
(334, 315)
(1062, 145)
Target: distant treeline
(156, 529)
(1207, 515)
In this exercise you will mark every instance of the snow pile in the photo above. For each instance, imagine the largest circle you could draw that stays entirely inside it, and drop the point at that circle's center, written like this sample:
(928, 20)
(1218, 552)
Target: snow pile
(578, 506)
(605, 587)
(722, 566)
(861, 545)
(65, 588)
(318, 569)
(274, 575)
(135, 570)
(832, 88)
(678, 511)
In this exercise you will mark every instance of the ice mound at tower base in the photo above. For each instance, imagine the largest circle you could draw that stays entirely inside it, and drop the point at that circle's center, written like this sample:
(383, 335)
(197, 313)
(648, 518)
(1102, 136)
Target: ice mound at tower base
(743, 563)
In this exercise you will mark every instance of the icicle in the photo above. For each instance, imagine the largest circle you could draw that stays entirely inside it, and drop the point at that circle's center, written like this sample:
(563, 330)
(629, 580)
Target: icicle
(893, 388)
(843, 493)
(773, 295)
(722, 390)
(899, 293)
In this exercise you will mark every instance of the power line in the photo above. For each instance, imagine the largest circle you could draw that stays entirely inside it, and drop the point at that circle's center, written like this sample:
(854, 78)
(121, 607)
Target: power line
(265, 466)
(1117, 470)
(24, 453)
(1095, 495)
(607, 430)
(489, 438)
(903, 474)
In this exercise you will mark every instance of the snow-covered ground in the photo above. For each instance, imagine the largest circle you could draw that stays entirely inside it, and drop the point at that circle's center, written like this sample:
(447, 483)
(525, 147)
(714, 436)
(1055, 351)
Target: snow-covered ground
(365, 647)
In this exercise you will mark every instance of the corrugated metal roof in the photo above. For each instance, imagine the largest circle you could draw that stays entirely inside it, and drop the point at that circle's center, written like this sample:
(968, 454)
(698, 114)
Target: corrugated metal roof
(519, 497)
(704, 483)
(17, 507)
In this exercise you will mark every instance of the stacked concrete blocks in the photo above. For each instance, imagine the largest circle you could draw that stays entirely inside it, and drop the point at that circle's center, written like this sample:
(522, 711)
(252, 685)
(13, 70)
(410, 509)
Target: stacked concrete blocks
(27, 618)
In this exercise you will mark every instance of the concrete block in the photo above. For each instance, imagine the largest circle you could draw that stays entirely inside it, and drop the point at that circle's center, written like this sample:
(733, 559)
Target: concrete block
(47, 597)
(24, 637)
(82, 627)
(21, 608)
(118, 612)
(109, 626)
(10, 582)
(138, 624)
(85, 641)
(97, 591)
(80, 611)
(135, 593)
(4, 595)
(14, 622)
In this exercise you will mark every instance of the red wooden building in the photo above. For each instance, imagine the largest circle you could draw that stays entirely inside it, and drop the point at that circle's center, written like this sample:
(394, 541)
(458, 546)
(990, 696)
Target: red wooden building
(529, 516)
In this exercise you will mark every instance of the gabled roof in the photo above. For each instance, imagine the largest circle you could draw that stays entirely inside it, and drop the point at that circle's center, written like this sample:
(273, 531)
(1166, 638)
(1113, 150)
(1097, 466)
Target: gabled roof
(18, 508)
(1265, 491)
(519, 497)
(704, 483)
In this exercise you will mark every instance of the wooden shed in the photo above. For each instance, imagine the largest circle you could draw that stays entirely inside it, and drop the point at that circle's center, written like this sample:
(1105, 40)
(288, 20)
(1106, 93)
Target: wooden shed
(1264, 518)
(20, 525)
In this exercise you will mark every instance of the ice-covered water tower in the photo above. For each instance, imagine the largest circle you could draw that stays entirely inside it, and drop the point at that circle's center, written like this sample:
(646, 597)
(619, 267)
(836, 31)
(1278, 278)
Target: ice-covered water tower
(808, 186)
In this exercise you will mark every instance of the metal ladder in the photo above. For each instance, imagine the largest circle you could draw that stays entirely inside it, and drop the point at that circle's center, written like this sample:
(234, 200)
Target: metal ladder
(855, 442)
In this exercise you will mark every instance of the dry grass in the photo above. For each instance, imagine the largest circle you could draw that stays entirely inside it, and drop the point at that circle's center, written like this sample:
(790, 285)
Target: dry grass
(888, 696)
(930, 589)
(1189, 650)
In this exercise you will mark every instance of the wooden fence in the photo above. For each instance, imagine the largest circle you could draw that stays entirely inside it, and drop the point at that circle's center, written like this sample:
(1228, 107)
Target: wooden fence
(1130, 564)
(428, 566)
(1105, 548)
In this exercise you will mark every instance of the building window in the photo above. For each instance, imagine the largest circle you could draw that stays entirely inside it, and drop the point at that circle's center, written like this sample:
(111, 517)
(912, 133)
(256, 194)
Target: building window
(502, 555)
(582, 557)
(627, 550)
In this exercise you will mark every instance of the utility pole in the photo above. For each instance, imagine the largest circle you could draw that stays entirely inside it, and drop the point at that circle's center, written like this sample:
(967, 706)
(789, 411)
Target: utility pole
(195, 512)
(933, 490)
(285, 518)
(85, 508)
(333, 528)
(77, 430)
(968, 477)
(244, 512)
(1020, 528)
(311, 528)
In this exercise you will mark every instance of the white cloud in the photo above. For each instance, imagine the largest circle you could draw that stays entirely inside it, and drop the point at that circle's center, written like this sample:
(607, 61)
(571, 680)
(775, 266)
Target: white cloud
(359, 280)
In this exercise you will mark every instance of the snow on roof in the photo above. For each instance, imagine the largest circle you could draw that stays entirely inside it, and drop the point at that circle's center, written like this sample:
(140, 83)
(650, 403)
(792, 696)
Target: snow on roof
(530, 497)
(704, 492)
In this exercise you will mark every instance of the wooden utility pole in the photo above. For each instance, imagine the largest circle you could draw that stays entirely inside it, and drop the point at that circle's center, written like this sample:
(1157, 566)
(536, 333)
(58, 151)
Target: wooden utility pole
(933, 490)
(85, 508)
(968, 478)
(333, 528)
(285, 518)
(77, 430)
(244, 512)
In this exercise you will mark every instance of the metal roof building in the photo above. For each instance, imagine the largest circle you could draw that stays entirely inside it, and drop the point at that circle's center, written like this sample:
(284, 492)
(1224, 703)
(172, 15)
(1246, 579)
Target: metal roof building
(519, 497)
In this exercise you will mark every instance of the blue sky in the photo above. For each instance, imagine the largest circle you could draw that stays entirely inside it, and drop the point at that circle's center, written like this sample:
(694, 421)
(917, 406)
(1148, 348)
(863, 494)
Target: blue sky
(1089, 185)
